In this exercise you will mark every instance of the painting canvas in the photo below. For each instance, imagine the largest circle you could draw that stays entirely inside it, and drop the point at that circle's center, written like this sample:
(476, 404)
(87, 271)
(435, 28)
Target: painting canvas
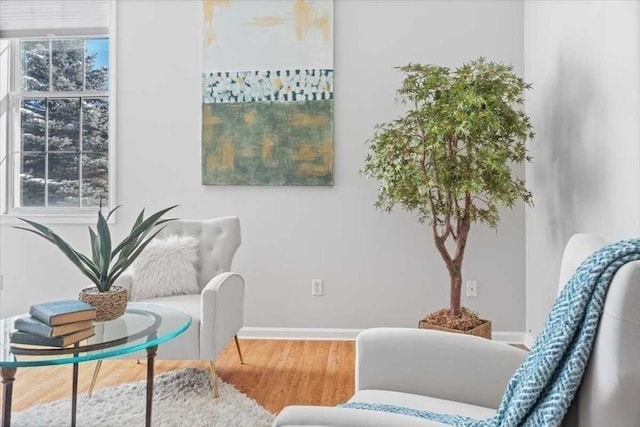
(267, 92)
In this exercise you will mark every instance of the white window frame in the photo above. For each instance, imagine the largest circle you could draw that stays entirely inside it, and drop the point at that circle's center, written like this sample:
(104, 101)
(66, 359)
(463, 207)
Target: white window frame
(11, 137)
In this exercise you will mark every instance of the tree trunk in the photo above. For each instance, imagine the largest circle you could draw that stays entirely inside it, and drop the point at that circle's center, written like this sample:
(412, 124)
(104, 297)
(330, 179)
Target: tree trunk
(455, 277)
(455, 271)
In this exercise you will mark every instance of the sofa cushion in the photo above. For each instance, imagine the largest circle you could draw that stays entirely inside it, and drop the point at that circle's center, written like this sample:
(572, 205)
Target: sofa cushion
(422, 403)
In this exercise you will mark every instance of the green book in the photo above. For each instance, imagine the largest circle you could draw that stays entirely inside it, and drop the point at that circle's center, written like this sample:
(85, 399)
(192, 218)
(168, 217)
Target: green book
(34, 326)
(19, 337)
(60, 312)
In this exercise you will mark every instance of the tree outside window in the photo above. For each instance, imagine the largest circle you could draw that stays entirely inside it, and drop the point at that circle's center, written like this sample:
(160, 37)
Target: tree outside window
(61, 157)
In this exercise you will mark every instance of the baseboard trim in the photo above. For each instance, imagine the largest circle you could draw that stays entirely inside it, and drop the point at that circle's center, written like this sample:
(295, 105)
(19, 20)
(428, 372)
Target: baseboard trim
(528, 340)
(338, 334)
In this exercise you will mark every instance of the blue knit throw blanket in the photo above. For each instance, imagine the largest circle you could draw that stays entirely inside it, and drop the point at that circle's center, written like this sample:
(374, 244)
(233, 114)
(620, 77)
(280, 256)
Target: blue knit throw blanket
(541, 390)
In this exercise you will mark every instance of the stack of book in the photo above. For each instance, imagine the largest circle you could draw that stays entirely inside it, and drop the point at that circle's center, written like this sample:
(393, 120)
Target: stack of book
(55, 324)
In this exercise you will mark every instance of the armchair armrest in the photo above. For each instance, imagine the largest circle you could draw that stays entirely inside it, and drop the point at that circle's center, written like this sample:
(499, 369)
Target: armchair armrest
(221, 311)
(444, 365)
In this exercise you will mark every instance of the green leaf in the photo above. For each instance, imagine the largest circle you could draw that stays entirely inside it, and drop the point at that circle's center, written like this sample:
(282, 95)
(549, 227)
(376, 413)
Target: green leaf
(75, 259)
(95, 251)
(37, 233)
(54, 238)
(105, 245)
(141, 228)
(88, 263)
(112, 211)
(42, 228)
(123, 264)
(138, 220)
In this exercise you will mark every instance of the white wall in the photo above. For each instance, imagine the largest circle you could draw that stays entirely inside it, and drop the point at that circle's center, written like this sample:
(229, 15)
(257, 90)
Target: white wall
(583, 59)
(378, 269)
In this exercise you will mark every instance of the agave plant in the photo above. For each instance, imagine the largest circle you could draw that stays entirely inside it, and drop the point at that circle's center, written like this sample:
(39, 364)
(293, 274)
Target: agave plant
(106, 263)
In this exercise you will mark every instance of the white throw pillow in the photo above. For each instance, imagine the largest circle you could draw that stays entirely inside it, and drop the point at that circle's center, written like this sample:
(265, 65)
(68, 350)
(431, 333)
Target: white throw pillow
(166, 267)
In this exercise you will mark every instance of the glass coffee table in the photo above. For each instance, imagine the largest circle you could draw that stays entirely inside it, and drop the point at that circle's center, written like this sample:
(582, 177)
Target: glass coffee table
(143, 327)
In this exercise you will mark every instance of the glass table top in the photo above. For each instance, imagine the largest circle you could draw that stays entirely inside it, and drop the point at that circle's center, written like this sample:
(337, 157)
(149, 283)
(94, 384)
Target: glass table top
(142, 326)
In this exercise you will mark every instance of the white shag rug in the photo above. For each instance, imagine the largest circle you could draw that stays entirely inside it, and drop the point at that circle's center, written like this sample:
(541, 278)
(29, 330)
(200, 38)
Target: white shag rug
(181, 398)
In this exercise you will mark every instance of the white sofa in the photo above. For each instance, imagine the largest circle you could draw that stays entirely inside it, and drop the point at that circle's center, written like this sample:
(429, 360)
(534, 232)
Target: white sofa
(466, 375)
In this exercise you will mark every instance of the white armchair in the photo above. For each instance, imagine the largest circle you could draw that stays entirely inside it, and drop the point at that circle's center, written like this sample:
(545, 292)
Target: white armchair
(217, 311)
(465, 375)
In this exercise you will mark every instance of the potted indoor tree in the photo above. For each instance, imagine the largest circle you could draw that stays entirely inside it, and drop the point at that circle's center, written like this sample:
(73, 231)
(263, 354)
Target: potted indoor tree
(448, 158)
(107, 262)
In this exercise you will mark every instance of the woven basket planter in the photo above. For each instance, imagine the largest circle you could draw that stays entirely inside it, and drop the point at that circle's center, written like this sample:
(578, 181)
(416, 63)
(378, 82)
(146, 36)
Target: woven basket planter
(109, 305)
(484, 330)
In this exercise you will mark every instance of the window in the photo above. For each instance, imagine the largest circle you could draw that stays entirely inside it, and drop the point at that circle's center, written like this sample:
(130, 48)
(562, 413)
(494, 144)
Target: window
(56, 108)
(60, 150)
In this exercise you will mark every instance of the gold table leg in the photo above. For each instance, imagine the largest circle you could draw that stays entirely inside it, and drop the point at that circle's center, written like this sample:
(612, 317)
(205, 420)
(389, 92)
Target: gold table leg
(214, 380)
(235, 337)
(96, 371)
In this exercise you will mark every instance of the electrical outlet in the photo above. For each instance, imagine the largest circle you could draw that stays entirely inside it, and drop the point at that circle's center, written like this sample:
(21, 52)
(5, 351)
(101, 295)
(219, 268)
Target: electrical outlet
(472, 288)
(317, 287)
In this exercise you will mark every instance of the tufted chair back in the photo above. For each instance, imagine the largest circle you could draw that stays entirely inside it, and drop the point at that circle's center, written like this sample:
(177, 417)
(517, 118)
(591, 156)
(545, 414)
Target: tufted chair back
(219, 240)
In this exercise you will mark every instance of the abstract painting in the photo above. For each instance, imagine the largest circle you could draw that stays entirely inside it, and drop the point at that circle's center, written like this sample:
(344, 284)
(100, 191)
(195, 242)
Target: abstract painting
(267, 92)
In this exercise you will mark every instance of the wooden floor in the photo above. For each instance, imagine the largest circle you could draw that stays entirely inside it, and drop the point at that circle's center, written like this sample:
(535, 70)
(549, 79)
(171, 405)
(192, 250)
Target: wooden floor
(275, 374)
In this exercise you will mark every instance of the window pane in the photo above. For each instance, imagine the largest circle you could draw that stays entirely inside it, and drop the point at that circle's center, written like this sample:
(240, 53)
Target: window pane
(64, 124)
(63, 180)
(31, 178)
(95, 179)
(35, 65)
(61, 156)
(97, 64)
(67, 57)
(95, 125)
(33, 124)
